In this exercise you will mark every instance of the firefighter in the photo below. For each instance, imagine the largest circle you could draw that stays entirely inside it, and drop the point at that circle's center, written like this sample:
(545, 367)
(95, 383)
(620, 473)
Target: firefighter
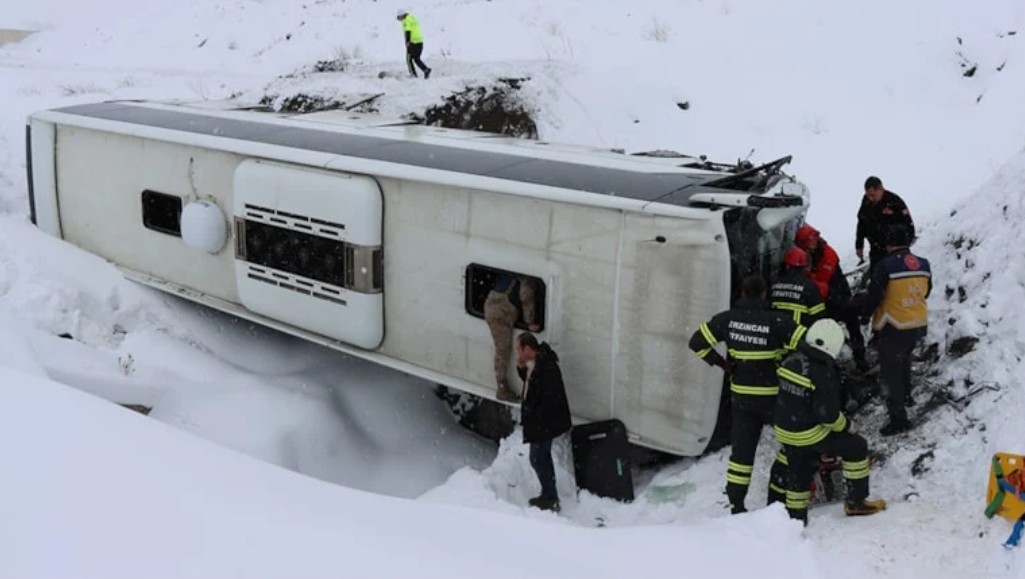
(879, 210)
(511, 296)
(896, 297)
(756, 338)
(826, 274)
(794, 292)
(809, 423)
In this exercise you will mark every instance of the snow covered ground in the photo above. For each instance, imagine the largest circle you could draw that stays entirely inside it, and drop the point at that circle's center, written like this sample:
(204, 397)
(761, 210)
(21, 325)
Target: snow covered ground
(870, 88)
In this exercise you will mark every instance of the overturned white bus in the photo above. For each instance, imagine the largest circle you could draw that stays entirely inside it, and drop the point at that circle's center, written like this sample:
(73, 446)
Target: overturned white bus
(381, 238)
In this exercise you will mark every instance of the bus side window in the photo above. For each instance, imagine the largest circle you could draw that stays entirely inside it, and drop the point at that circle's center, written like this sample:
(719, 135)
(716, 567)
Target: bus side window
(481, 278)
(162, 212)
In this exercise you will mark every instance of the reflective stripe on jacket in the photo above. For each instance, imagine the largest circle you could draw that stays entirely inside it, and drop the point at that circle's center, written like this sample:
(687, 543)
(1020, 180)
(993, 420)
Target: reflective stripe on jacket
(898, 291)
(756, 338)
(808, 403)
(794, 292)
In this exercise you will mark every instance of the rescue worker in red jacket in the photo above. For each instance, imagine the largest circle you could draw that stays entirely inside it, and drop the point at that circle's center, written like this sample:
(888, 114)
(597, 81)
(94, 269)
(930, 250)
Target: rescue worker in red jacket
(827, 275)
(896, 297)
(756, 337)
(808, 422)
(794, 292)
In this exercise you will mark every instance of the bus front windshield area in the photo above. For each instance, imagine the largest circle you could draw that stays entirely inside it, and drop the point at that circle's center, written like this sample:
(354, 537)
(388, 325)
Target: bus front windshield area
(754, 250)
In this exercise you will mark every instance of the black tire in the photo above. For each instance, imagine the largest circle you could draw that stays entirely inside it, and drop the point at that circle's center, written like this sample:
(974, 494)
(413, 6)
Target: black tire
(481, 416)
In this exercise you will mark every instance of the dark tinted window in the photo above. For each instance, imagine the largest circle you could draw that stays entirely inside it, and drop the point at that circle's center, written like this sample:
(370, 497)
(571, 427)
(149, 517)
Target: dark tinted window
(295, 252)
(480, 279)
(162, 212)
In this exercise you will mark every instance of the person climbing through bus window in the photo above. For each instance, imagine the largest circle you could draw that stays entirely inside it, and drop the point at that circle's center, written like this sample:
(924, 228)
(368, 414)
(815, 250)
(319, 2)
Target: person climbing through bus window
(756, 337)
(545, 413)
(794, 292)
(510, 296)
(808, 423)
(879, 210)
(897, 298)
(414, 42)
(826, 274)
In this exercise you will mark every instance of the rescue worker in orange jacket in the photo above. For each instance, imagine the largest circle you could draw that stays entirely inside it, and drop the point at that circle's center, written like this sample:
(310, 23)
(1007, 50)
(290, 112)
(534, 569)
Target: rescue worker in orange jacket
(827, 275)
(756, 337)
(896, 297)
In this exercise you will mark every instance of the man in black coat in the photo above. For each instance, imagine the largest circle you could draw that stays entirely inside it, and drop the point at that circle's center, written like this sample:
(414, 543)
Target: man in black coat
(880, 210)
(544, 414)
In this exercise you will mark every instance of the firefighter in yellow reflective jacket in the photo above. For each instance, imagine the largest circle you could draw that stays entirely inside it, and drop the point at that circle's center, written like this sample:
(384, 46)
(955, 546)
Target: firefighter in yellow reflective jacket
(756, 337)
(795, 292)
(901, 283)
(414, 42)
(809, 423)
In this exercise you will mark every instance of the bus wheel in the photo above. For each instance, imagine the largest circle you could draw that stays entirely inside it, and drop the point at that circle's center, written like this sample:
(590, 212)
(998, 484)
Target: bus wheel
(481, 416)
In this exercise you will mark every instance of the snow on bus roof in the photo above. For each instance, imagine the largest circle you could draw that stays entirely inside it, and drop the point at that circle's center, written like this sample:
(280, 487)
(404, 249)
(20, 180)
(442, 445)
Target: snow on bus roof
(628, 177)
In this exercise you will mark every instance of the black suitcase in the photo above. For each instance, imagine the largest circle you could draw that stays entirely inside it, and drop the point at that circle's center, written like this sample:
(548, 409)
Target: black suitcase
(601, 459)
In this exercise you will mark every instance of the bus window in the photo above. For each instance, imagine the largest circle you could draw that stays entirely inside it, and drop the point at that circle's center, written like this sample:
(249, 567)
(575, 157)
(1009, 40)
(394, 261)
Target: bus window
(162, 212)
(481, 278)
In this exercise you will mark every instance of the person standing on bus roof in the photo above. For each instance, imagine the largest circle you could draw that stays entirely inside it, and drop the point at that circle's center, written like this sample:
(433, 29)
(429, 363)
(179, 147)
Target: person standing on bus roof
(545, 413)
(794, 292)
(511, 296)
(756, 337)
(414, 42)
(879, 210)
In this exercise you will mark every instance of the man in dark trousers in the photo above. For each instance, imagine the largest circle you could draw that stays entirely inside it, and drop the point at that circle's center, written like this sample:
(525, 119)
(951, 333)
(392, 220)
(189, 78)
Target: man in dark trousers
(826, 274)
(510, 296)
(879, 210)
(414, 42)
(896, 297)
(544, 414)
(756, 337)
(809, 423)
(794, 292)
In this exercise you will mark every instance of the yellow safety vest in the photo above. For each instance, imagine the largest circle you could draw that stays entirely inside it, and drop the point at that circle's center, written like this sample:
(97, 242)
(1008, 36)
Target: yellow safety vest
(410, 25)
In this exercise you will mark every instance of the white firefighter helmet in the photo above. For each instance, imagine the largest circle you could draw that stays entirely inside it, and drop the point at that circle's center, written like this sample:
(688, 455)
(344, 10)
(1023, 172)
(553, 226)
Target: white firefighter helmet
(825, 335)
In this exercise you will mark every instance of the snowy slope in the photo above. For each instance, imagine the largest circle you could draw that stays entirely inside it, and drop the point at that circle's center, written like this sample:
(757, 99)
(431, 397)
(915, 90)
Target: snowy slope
(875, 87)
(97, 491)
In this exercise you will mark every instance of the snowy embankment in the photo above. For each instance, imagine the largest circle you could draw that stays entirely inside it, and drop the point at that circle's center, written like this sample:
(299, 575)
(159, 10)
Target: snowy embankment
(81, 502)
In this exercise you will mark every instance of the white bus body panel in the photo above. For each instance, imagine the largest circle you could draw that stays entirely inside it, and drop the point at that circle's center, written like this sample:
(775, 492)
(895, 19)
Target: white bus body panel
(627, 284)
(44, 177)
(326, 204)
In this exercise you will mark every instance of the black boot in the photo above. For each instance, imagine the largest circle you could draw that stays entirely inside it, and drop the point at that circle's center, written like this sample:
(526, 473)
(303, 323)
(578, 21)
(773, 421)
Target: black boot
(895, 427)
(545, 504)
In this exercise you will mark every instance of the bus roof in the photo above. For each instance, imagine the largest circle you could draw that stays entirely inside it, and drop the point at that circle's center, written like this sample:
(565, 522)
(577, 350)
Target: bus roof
(575, 169)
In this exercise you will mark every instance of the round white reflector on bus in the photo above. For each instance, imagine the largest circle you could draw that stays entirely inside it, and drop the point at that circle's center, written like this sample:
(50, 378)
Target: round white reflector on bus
(204, 226)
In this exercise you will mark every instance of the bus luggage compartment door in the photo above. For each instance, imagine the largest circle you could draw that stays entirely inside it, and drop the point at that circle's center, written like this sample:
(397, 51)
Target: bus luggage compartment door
(308, 249)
